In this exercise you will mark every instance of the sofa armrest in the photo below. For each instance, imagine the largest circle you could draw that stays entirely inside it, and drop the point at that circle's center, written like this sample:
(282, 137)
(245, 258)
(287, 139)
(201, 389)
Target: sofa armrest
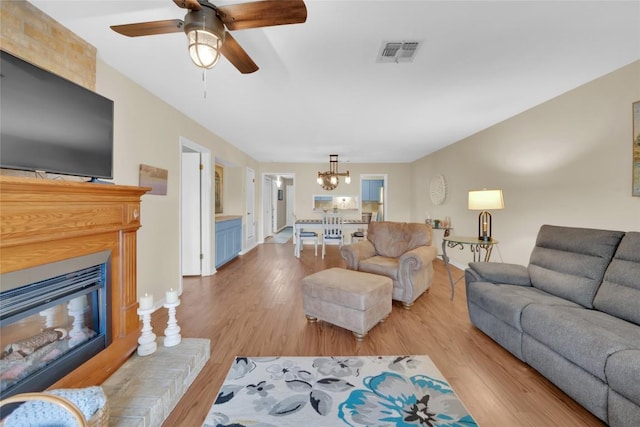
(498, 272)
(356, 252)
(417, 257)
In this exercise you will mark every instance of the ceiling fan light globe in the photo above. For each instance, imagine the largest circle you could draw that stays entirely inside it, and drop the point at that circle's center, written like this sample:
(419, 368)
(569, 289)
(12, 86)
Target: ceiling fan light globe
(204, 48)
(334, 180)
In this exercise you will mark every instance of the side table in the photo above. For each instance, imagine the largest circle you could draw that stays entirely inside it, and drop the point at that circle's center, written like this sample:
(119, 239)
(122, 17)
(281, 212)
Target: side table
(436, 236)
(476, 245)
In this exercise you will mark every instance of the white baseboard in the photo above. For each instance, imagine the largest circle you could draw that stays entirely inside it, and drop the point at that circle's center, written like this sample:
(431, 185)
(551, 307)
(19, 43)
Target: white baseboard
(461, 266)
(456, 264)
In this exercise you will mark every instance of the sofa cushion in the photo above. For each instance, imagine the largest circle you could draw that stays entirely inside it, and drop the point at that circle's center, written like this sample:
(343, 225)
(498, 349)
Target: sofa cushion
(392, 239)
(623, 374)
(506, 302)
(384, 266)
(619, 294)
(586, 389)
(622, 411)
(502, 272)
(585, 337)
(570, 262)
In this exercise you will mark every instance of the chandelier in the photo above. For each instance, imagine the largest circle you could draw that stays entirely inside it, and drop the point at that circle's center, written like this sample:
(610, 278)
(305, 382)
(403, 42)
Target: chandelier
(329, 179)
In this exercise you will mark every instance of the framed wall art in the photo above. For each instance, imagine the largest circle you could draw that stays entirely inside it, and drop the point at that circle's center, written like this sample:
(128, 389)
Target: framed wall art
(636, 150)
(218, 188)
(156, 178)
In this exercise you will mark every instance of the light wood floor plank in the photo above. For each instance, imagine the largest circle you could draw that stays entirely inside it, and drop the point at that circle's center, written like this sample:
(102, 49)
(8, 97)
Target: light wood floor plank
(253, 307)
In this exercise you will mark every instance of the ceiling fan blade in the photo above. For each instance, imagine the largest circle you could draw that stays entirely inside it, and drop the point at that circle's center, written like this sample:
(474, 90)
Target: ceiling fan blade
(237, 55)
(188, 4)
(149, 28)
(263, 14)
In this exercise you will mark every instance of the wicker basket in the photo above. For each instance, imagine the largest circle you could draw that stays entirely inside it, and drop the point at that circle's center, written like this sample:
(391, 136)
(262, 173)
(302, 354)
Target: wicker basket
(99, 419)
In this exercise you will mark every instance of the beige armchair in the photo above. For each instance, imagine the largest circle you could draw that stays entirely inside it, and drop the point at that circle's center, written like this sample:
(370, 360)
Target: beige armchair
(399, 250)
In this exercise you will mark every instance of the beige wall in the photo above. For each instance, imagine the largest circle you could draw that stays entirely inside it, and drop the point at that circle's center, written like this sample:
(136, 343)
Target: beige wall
(148, 131)
(564, 162)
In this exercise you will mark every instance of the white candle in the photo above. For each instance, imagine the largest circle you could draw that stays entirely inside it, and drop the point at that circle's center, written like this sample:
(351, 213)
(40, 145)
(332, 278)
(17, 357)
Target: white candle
(172, 296)
(146, 302)
(78, 303)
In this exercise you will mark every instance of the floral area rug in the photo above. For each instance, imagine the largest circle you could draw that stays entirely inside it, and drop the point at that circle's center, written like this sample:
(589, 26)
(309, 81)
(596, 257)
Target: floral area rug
(376, 391)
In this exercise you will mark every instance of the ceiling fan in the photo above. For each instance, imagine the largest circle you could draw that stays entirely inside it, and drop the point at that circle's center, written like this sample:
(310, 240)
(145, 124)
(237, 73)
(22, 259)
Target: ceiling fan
(204, 24)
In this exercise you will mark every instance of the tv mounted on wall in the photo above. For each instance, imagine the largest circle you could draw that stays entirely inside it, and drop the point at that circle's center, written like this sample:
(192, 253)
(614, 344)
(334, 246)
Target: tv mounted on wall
(50, 124)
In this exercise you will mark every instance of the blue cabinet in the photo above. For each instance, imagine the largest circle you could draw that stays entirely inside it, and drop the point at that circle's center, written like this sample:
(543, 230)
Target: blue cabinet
(228, 240)
(371, 190)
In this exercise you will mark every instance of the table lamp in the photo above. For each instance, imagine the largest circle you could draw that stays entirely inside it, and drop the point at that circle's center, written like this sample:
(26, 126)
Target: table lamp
(483, 200)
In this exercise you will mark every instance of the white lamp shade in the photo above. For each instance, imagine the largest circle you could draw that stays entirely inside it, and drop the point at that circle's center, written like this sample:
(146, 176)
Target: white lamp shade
(204, 48)
(481, 200)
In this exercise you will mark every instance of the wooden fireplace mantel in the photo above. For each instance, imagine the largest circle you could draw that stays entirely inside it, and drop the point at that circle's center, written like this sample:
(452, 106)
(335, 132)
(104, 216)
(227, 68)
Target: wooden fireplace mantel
(44, 221)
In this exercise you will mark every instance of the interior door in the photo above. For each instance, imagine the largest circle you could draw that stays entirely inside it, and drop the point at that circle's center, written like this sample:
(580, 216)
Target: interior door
(190, 214)
(250, 204)
(290, 203)
(267, 208)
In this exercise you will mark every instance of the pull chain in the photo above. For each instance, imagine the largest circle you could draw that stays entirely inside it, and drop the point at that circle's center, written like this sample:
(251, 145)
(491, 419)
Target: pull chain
(204, 83)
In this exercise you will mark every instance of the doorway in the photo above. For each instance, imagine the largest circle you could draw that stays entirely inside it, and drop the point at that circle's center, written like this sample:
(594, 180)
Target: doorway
(196, 255)
(373, 191)
(267, 207)
(278, 202)
(250, 228)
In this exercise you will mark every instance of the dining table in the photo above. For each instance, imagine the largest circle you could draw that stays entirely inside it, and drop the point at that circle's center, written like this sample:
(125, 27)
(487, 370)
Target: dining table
(315, 224)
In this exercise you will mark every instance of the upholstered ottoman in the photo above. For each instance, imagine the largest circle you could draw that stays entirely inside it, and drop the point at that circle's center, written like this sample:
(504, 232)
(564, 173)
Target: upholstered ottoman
(350, 299)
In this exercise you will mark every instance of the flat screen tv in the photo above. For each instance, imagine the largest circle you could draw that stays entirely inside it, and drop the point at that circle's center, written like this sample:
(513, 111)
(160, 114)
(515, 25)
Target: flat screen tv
(50, 124)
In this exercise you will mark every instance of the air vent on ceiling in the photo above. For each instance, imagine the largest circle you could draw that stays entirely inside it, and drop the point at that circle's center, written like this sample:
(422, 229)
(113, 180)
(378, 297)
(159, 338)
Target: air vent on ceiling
(398, 51)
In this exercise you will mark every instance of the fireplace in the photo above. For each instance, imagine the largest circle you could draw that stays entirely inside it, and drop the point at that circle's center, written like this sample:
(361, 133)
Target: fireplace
(53, 318)
(52, 233)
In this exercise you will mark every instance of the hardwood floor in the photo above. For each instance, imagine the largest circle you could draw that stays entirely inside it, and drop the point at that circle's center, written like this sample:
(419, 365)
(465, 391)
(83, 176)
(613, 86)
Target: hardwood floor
(253, 307)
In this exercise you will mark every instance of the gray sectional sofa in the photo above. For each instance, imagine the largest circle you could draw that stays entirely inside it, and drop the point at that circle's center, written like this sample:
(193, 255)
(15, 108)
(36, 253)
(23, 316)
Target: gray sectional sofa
(573, 314)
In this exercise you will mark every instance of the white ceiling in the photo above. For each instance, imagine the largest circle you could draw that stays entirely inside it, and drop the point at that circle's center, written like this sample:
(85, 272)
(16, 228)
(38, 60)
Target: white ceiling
(320, 91)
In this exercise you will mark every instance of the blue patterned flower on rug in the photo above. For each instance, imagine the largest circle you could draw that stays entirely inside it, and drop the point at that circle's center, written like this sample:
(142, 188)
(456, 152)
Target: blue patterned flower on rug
(402, 363)
(227, 392)
(395, 400)
(287, 370)
(262, 388)
(264, 404)
(338, 366)
(241, 366)
(316, 393)
(398, 363)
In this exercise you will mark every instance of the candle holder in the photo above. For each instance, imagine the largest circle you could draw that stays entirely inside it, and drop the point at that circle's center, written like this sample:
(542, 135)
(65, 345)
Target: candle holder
(49, 315)
(172, 335)
(76, 334)
(147, 341)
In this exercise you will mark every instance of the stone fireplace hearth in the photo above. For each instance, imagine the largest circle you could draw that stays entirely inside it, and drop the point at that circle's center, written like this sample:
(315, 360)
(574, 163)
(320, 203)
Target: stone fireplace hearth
(46, 221)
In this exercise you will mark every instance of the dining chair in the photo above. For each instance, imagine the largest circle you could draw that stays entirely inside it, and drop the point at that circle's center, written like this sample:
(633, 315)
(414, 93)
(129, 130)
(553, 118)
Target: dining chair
(331, 230)
(300, 236)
